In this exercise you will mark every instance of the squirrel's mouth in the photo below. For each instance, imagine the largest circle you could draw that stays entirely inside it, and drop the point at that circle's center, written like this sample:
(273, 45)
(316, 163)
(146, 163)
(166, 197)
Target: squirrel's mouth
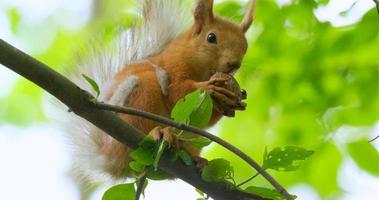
(228, 70)
(231, 71)
(233, 67)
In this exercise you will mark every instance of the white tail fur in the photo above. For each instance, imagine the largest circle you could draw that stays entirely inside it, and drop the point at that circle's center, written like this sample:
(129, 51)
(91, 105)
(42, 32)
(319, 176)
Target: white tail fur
(162, 21)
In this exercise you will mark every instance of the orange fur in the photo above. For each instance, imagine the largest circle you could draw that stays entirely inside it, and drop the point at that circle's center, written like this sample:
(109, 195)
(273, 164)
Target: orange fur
(190, 61)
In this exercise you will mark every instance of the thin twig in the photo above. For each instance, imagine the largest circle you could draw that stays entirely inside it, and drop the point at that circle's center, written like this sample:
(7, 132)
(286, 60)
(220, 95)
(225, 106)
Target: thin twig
(248, 180)
(140, 187)
(181, 126)
(372, 140)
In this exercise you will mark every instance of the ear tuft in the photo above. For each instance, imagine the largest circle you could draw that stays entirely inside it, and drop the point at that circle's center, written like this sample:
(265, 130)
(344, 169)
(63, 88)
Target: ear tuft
(203, 13)
(249, 16)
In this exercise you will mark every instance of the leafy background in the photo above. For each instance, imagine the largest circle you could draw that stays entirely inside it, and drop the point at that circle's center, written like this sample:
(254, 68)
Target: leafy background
(311, 72)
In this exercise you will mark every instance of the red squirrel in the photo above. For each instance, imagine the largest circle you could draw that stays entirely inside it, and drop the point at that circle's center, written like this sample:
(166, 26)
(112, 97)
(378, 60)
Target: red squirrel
(158, 67)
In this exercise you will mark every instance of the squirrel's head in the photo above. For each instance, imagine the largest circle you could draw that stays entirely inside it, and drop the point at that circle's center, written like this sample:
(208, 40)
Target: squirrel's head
(218, 45)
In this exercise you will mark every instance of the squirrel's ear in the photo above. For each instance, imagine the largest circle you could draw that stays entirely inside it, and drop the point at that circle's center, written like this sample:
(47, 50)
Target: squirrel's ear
(203, 13)
(249, 16)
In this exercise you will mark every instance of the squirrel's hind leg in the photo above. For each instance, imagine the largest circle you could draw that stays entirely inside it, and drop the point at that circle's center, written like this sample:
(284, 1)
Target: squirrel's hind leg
(169, 136)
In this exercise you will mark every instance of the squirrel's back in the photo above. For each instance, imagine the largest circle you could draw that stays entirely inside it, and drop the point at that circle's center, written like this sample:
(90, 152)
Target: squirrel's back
(161, 22)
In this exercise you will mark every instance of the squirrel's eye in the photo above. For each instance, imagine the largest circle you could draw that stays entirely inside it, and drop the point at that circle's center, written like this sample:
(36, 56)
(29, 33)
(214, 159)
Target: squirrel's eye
(212, 38)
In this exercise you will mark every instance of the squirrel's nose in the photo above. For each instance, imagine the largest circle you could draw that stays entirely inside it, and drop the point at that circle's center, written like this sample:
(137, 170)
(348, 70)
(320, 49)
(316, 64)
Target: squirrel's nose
(234, 65)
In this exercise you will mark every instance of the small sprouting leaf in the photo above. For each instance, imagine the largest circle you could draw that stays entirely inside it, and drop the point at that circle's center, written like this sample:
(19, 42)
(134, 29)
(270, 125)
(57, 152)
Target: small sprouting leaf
(194, 109)
(173, 156)
(120, 192)
(136, 166)
(185, 157)
(93, 84)
(365, 156)
(145, 153)
(162, 147)
(264, 192)
(217, 170)
(199, 192)
(199, 142)
(286, 158)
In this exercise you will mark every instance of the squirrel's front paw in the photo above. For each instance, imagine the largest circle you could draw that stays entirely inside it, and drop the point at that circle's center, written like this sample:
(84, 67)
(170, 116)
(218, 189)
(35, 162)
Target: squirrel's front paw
(167, 135)
(226, 93)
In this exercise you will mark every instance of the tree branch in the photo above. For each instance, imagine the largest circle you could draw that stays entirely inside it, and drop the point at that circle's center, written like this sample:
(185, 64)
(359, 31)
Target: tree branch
(377, 5)
(79, 101)
(181, 126)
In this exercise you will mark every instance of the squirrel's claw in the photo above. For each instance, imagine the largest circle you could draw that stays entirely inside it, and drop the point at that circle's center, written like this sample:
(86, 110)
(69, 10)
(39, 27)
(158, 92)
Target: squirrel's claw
(156, 133)
(200, 162)
(241, 106)
(166, 134)
(224, 91)
(225, 100)
(218, 81)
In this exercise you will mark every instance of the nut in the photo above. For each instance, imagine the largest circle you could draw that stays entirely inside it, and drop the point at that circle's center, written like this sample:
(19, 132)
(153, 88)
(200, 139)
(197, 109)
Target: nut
(231, 84)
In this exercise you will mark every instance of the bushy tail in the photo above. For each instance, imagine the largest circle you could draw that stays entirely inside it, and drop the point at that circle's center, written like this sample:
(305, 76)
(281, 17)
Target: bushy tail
(162, 21)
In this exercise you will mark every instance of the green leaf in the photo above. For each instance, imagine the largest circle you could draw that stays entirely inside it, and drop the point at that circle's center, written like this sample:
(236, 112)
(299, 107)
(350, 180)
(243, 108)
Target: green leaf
(184, 107)
(365, 156)
(194, 109)
(173, 156)
(145, 153)
(93, 84)
(162, 147)
(143, 156)
(199, 142)
(158, 175)
(217, 170)
(185, 157)
(120, 192)
(286, 159)
(264, 192)
(136, 166)
(148, 142)
(202, 113)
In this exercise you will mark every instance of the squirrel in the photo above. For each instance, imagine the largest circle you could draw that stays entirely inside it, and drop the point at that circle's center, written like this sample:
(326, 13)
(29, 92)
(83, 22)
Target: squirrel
(153, 66)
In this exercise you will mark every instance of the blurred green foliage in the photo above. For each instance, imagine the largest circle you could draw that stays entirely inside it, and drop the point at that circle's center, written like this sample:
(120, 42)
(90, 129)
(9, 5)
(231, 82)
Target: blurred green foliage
(365, 155)
(304, 78)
